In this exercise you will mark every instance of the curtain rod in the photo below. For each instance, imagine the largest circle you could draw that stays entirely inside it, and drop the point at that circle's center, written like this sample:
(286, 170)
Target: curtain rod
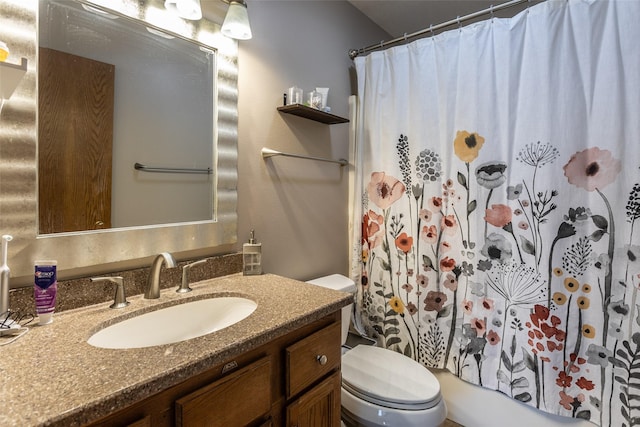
(353, 53)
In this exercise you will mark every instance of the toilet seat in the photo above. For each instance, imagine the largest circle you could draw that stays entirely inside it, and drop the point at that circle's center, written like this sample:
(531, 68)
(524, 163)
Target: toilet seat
(387, 378)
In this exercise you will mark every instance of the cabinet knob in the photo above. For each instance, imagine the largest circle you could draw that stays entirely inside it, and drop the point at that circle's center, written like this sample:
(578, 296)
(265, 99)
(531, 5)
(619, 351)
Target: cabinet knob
(322, 359)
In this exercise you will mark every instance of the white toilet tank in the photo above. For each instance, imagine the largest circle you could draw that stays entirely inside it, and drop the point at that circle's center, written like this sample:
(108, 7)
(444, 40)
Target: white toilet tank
(342, 283)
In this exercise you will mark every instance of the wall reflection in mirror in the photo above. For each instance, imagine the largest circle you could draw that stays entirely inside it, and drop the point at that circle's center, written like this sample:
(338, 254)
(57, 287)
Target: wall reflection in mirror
(111, 93)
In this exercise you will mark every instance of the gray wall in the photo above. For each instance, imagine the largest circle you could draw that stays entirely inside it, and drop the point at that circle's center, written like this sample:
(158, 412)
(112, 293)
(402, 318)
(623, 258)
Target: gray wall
(298, 208)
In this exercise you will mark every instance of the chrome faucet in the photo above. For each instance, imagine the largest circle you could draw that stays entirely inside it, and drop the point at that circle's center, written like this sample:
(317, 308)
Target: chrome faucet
(184, 287)
(153, 285)
(119, 298)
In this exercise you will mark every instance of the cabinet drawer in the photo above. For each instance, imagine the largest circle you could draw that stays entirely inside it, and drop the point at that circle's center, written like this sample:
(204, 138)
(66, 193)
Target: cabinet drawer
(237, 399)
(312, 358)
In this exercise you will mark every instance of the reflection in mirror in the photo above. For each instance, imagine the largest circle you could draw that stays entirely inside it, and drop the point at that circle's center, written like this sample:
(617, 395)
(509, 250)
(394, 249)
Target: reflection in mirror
(112, 93)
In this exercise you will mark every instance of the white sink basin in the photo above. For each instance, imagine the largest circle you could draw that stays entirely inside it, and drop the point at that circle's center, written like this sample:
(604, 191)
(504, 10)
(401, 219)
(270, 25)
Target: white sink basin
(174, 324)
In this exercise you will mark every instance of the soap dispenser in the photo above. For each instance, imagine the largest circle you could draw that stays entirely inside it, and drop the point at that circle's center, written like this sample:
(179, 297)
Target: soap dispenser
(252, 257)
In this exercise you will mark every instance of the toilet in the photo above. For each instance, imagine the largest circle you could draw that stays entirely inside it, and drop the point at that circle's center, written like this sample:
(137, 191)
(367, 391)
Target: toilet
(381, 387)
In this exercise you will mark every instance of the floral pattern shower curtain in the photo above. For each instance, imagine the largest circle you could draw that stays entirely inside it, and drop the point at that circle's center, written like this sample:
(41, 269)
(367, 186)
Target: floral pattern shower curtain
(500, 191)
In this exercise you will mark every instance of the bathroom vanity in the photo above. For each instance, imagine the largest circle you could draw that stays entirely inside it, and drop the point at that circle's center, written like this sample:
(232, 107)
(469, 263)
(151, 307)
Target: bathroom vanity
(279, 366)
(293, 380)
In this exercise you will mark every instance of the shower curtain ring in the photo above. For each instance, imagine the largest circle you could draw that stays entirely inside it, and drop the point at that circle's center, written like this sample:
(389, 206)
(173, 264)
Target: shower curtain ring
(431, 29)
(405, 37)
(459, 25)
(491, 11)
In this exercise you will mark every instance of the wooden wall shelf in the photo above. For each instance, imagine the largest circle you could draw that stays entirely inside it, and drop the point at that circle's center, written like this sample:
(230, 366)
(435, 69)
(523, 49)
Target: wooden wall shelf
(312, 114)
(10, 76)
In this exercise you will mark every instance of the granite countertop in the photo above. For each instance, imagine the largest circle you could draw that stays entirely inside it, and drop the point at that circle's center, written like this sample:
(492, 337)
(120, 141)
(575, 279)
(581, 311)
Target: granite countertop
(51, 376)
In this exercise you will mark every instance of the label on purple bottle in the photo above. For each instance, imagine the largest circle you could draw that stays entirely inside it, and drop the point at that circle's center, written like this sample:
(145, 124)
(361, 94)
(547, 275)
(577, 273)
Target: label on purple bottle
(45, 288)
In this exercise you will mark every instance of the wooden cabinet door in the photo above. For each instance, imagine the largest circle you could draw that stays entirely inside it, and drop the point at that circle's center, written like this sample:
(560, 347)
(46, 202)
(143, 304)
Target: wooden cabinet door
(239, 399)
(319, 407)
(75, 134)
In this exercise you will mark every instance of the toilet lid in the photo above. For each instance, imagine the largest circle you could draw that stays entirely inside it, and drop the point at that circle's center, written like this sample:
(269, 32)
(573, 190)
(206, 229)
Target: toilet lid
(390, 379)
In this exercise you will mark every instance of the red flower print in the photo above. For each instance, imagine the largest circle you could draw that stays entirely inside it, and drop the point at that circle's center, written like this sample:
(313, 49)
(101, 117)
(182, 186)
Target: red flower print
(434, 301)
(478, 325)
(492, 337)
(544, 331)
(552, 346)
(435, 204)
(592, 169)
(566, 401)
(540, 312)
(371, 227)
(407, 287)
(422, 280)
(384, 190)
(571, 403)
(429, 234)
(548, 330)
(425, 215)
(564, 380)
(451, 282)
(447, 264)
(574, 358)
(445, 246)
(498, 215)
(411, 308)
(404, 242)
(375, 217)
(449, 224)
(487, 304)
(585, 384)
(574, 369)
(467, 306)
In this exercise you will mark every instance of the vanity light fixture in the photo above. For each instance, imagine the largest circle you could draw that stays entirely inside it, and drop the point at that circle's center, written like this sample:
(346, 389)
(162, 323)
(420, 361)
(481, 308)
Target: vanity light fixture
(236, 23)
(187, 9)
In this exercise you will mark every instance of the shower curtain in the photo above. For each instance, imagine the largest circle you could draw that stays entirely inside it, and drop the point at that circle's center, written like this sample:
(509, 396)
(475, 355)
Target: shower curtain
(498, 189)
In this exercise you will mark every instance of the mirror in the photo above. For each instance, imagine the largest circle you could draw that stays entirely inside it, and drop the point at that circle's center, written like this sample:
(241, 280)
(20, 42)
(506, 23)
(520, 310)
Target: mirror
(131, 242)
(114, 95)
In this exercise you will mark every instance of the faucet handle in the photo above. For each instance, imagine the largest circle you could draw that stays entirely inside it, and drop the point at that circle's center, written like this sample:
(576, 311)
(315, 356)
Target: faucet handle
(119, 299)
(184, 287)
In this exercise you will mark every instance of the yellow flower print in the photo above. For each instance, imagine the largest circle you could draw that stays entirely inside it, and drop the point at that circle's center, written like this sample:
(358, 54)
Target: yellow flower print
(396, 305)
(583, 303)
(588, 331)
(467, 145)
(559, 298)
(558, 272)
(586, 288)
(571, 284)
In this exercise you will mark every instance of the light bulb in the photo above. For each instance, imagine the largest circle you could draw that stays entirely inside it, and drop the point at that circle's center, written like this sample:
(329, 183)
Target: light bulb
(4, 51)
